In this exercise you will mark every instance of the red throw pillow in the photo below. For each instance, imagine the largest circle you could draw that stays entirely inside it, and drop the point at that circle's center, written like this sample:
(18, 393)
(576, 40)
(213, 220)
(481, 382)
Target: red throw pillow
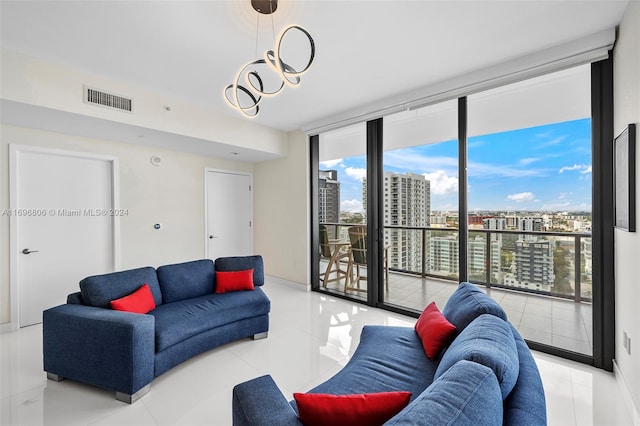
(140, 301)
(234, 281)
(358, 409)
(434, 330)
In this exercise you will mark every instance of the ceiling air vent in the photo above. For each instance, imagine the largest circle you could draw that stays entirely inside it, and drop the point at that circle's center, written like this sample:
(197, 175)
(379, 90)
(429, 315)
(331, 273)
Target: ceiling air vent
(98, 97)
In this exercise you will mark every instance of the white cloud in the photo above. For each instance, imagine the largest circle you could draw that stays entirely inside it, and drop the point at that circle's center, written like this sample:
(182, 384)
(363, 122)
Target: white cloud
(351, 206)
(554, 141)
(521, 197)
(583, 168)
(441, 183)
(356, 173)
(331, 163)
(527, 161)
(476, 144)
(485, 170)
(413, 160)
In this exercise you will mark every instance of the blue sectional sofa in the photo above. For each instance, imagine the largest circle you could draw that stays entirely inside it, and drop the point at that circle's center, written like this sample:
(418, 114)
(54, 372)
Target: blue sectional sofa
(86, 341)
(487, 375)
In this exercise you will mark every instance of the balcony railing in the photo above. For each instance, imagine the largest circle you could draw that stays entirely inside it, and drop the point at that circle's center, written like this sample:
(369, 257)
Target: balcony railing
(548, 263)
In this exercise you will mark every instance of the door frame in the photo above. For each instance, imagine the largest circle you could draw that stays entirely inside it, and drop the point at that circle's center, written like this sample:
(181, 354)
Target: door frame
(205, 238)
(14, 150)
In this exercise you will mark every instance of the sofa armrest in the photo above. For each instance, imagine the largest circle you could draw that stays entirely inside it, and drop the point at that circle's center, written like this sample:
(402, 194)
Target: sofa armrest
(259, 402)
(102, 347)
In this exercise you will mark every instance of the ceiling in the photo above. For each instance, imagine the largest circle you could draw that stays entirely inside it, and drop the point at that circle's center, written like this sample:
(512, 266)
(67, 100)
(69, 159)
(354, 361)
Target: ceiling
(366, 51)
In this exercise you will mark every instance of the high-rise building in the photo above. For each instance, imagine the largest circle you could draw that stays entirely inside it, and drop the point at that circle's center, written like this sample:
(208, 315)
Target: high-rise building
(329, 196)
(407, 203)
(534, 264)
(438, 221)
(530, 224)
(498, 241)
(444, 255)
(497, 223)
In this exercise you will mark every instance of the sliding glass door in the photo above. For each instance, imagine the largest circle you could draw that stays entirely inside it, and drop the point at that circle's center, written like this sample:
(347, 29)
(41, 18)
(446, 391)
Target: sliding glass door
(530, 204)
(420, 196)
(497, 188)
(342, 216)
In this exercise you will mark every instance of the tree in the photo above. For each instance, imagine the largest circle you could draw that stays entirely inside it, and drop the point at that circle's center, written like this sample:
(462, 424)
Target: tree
(561, 271)
(506, 260)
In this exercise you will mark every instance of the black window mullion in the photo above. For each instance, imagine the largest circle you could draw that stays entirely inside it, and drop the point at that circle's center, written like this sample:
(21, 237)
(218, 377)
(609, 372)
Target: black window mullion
(463, 224)
(374, 210)
(314, 169)
(602, 235)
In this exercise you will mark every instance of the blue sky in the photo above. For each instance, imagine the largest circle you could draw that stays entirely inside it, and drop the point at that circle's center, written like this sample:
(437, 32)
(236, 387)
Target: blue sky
(546, 168)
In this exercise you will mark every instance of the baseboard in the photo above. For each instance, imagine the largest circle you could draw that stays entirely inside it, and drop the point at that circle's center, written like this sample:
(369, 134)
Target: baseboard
(292, 284)
(626, 395)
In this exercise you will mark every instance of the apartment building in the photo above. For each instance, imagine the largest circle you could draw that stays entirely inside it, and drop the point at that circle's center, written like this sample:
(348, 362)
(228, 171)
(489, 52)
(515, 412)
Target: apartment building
(407, 204)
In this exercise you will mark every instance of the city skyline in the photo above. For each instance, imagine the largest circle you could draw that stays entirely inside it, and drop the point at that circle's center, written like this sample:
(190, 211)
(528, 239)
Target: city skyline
(542, 168)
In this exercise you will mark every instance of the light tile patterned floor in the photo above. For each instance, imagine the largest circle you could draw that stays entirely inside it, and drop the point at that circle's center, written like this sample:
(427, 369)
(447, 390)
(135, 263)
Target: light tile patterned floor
(552, 321)
(311, 337)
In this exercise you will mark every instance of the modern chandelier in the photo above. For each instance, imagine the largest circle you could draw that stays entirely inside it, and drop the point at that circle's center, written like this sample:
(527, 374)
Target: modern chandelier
(248, 88)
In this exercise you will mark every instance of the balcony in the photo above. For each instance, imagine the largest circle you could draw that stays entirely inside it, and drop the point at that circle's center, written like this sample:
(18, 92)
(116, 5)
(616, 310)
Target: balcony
(554, 308)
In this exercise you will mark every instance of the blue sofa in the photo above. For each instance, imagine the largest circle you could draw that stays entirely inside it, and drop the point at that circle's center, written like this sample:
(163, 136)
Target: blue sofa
(487, 375)
(86, 341)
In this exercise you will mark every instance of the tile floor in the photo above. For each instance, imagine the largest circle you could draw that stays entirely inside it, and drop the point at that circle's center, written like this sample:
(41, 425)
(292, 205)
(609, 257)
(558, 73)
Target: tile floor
(552, 321)
(311, 337)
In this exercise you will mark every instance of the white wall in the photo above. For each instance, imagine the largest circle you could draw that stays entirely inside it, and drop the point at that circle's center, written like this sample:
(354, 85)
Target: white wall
(281, 209)
(627, 244)
(172, 194)
(33, 81)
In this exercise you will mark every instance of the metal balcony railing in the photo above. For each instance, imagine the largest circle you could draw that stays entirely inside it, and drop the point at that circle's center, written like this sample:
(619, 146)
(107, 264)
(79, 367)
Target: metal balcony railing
(548, 263)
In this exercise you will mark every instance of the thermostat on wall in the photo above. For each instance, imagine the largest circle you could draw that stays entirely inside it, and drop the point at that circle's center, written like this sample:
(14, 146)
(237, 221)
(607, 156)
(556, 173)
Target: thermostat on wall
(156, 161)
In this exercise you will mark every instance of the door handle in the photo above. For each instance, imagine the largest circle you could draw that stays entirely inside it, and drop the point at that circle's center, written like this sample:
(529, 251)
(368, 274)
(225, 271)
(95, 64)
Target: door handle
(27, 251)
(211, 237)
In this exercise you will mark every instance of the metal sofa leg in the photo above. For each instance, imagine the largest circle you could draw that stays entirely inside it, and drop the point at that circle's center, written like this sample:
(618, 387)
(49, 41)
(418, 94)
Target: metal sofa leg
(260, 335)
(130, 399)
(54, 377)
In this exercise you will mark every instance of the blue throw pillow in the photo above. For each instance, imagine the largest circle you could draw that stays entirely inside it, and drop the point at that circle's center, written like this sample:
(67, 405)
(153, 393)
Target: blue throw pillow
(469, 302)
(488, 340)
(186, 280)
(467, 394)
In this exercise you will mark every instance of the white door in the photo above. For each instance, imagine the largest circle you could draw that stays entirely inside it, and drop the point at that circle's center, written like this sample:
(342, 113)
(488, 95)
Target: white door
(229, 214)
(63, 222)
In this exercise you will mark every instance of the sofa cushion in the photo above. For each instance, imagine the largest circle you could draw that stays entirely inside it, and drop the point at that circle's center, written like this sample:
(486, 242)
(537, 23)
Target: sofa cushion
(488, 340)
(241, 263)
(75, 298)
(373, 409)
(180, 320)
(234, 281)
(138, 302)
(526, 403)
(100, 290)
(181, 281)
(466, 394)
(467, 303)
(434, 330)
(388, 358)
